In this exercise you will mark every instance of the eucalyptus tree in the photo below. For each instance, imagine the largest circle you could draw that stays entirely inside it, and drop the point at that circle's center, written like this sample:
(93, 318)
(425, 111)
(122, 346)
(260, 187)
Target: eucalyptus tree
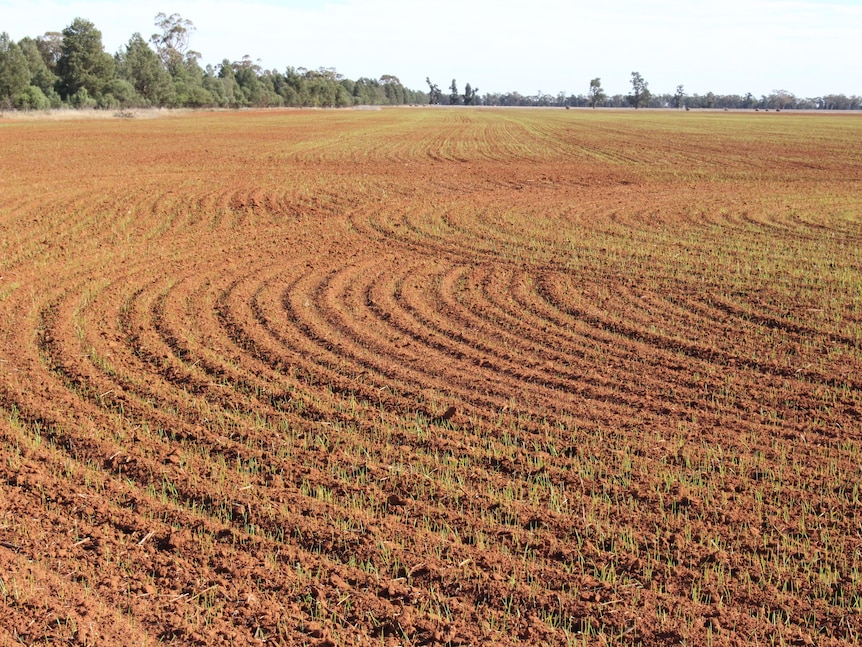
(640, 94)
(434, 93)
(679, 97)
(454, 97)
(172, 44)
(50, 46)
(470, 95)
(597, 93)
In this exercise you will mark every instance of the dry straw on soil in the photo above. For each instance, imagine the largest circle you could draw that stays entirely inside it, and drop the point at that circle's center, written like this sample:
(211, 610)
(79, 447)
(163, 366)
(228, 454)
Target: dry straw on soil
(431, 377)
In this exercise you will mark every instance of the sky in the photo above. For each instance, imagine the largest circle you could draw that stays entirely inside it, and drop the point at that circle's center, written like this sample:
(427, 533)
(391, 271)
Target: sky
(807, 47)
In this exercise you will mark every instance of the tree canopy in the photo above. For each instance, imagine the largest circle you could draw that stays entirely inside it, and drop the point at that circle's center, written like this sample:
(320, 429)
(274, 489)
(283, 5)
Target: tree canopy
(597, 94)
(141, 66)
(14, 71)
(172, 45)
(71, 68)
(83, 67)
(640, 94)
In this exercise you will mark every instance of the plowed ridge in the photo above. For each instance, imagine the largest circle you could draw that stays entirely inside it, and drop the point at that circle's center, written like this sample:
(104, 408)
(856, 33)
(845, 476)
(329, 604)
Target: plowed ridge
(431, 377)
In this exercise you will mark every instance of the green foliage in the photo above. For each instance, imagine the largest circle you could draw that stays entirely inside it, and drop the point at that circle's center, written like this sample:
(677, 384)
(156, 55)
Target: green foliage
(14, 72)
(50, 45)
(215, 87)
(679, 97)
(226, 87)
(454, 97)
(141, 67)
(392, 89)
(40, 74)
(342, 97)
(188, 87)
(597, 94)
(386, 91)
(83, 63)
(32, 99)
(434, 94)
(470, 95)
(245, 73)
(640, 94)
(82, 99)
(173, 41)
(119, 93)
(165, 72)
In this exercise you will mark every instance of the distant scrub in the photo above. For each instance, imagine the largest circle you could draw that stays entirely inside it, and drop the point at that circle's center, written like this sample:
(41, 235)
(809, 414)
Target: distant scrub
(72, 69)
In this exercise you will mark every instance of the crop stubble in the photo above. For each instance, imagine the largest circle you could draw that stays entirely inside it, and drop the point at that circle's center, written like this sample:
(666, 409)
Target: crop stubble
(228, 341)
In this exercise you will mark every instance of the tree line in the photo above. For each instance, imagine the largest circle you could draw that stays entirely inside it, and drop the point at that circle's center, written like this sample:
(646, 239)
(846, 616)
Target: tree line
(641, 97)
(72, 69)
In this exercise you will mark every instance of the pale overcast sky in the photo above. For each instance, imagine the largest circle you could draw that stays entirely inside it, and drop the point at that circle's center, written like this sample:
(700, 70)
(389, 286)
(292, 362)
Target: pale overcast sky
(808, 47)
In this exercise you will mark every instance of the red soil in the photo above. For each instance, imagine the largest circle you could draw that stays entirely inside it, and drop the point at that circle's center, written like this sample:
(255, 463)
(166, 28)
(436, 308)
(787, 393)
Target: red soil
(431, 377)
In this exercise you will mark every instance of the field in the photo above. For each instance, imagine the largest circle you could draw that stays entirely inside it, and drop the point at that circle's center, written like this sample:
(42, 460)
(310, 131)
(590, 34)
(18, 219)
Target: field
(431, 377)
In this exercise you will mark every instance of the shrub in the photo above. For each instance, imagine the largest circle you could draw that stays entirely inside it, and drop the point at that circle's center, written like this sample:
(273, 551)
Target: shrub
(32, 99)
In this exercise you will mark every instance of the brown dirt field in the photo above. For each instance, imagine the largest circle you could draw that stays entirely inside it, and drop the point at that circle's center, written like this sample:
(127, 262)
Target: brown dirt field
(431, 377)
